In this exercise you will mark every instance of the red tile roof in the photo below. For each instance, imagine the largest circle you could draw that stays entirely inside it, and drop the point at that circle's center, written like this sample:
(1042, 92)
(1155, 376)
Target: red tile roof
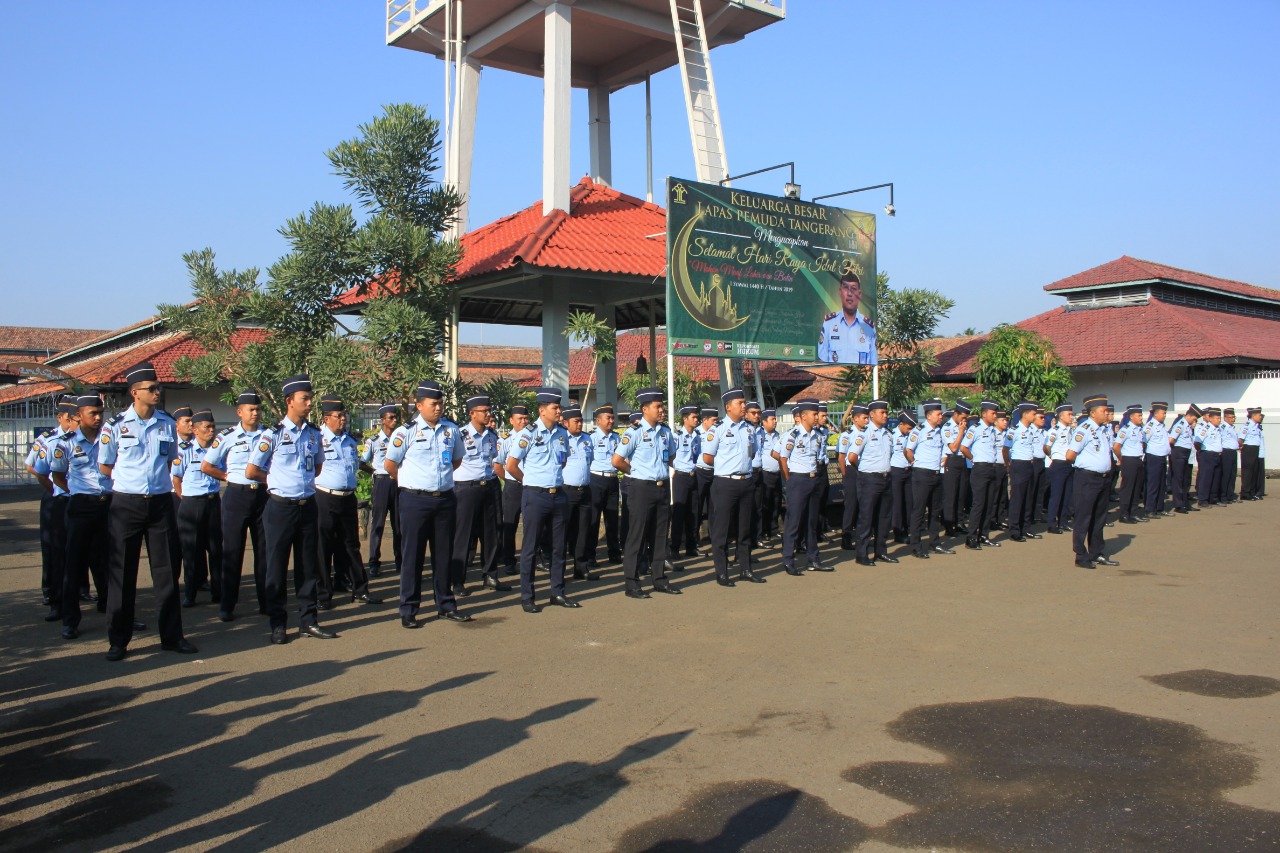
(476, 354)
(162, 349)
(633, 345)
(1125, 270)
(27, 390)
(43, 341)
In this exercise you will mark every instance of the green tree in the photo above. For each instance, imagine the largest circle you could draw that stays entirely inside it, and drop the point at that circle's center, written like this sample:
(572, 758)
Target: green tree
(689, 390)
(503, 394)
(906, 320)
(396, 257)
(1018, 364)
(586, 329)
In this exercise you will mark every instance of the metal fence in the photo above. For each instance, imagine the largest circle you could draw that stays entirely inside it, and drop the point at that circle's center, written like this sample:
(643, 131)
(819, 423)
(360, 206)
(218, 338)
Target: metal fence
(16, 435)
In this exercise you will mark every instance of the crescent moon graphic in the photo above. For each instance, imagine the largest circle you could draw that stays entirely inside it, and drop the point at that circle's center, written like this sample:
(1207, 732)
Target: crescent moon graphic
(712, 307)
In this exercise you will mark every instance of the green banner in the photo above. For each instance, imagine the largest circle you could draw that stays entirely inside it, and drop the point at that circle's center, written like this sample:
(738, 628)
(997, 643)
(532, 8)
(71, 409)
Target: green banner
(760, 276)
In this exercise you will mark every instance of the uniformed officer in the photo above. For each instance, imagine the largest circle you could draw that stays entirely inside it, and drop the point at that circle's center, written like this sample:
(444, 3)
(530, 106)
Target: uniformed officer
(199, 512)
(801, 457)
(900, 500)
(926, 452)
(1113, 427)
(512, 489)
(577, 490)
(847, 336)
(138, 447)
(1155, 460)
(1130, 446)
(53, 507)
(703, 471)
(1001, 509)
(824, 481)
(475, 481)
(286, 460)
(76, 472)
(542, 448)
(858, 419)
(1182, 441)
(604, 486)
(384, 493)
(423, 456)
(728, 448)
(644, 456)
(1039, 480)
(631, 419)
(1019, 444)
(757, 473)
(771, 503)
(1091, 454)
(684, 485)
(182, 426)
(242, 505)
(1209, 459)
(1252, 474)
(337, 513)
(955, 481)
(1230, 456)
(872, 451)
(1057, 441)
(981, 446)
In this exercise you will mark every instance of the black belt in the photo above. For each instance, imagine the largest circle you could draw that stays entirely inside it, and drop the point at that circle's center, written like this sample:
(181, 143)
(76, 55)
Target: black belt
(735, 476)
(250, 486)
(571, 486)
(659, 483)
(293, 501)
(811, 473)
(473, 482)
(551, 490)
(143, 497)
(874, 473)
(976, 464)
(103, 497)
(424, 493)
(1092, 473)
(199, 497)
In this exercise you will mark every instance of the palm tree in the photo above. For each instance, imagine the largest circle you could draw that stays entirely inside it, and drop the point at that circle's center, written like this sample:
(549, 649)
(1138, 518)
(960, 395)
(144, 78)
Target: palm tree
(586, 329)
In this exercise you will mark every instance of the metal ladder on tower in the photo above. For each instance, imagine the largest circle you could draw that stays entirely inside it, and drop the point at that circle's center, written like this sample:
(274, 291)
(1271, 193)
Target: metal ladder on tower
(699, 91)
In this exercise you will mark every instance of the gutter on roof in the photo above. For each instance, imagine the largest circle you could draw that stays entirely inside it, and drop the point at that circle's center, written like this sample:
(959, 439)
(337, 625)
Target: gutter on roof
(1165, 281)
(133, 330)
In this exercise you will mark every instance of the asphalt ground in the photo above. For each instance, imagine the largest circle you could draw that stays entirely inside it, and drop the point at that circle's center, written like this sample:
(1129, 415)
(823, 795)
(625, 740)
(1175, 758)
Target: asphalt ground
(994, 701)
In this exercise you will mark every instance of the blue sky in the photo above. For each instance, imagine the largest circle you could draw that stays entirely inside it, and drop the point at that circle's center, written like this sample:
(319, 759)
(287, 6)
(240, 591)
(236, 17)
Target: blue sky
(1027, 141)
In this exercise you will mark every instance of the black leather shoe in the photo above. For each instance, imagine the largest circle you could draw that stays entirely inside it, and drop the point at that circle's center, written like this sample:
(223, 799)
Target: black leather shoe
(885, 558)
(461, 591)
(985, 541)
(1141, 519)
(317, 632)
(279, 636)
(496, 585)
(181, 647)
(1181, 511)
(1109, 524)
(961, 530)
(1056, 530)
(667, 589)
(793, 571)
(374, 571)
(637, 593)
(54, 615)
(922, 555)
(530, 607)
(1085, 565)
(846, 543)
(455, 616)
(116, 653)
(870, 564)
(86, 595)
(70, 633)
(1169, 513)
(564, 601)
(725, 582)
(819, 566)
(1103, 561)
(667, 566)
(44, 597)
(692, 553)
(615, 559)
(225, 615)
(1033, 535)
(187, 602)
(139, 626)
(752, 577)
(593, 563)
(973, 546)
(409, 622)
(1127, 520)
(941, 549)
(366, 598)
(325, 605)
(1017, 539)
(1193, 509)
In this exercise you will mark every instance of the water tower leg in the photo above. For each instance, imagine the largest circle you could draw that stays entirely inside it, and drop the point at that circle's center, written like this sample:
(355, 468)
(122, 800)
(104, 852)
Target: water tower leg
(555, 346)
(465, 132)
(556, 96)
(601, 147)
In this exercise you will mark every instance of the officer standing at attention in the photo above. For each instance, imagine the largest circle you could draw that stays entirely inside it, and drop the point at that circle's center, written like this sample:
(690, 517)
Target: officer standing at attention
(800, 457)
(704, 472)
(1091, 454)
(1019, 447)
(1039, 480)
(1182, 440)
(729, 448)
(137, 449)
(900, 479)
(1130, 447)
(1000, 511)
(76, 472)
(644, 455)
(200, 512)
(824, 482)
(1230, 453)
(1251, 470)
(242, 505)
(771, 504)
(684, 485)
(955, 481)
(384, 495)
(543, 449)
(858, 417)
(53, 506)
(475, 481)
(757, 474)
(1057, 441)
(337, 514)
(1209, 460)
(182, 425)
(287, 459)
(512, 489)
(604, 487)
(423, 455)
(872, 451)
(980, 446)
(927, 455)
(577, 489)
(1156, 460)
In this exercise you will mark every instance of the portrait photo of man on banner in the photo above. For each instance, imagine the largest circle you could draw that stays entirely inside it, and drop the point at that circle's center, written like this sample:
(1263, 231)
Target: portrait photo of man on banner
(848, 336)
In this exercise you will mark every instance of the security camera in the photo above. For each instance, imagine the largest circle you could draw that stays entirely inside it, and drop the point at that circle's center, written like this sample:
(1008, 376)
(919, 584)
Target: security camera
(791, 190)
(890, 209)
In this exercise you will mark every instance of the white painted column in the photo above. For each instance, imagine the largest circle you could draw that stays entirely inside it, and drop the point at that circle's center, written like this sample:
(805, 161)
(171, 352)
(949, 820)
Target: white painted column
(556, 96)
(465, 136)
(601, 148)
(555, 346)
(607, 372)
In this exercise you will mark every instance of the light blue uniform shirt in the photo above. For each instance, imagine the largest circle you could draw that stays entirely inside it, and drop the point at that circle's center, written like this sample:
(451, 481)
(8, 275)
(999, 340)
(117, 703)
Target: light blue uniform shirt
(141, 451)
(1132, 440)
(341, 461)
(771, 442)
(577, 468)
(1251, 435)
(844, 440)
(925, 444)
(1156, 436)
(603, 446)
(757, 461)
(230, 452)
(1092, 444)
(898, 459)
(1181, 434)
(43, 453)
(1209, 437)
(1230, 438)
(544, 452)
(187, 469)
(688, 449)
(731, 445)
(79, 461)
(1021, 442)
(375, 452)
(1037, 442)
(950, 432)
(425, 454)
(649, 449)
(801, 449)
(1058, 440)
(842, 342)
(698, 461)
(874, 448)
(983, 441)
(289, 453)
(504, 451)
(479, 452)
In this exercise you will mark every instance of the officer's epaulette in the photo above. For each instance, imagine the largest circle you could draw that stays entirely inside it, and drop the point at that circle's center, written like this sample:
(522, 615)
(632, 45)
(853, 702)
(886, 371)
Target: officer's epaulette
(830, 316)
(66, 435)
(46, 433)
(310, 424)
(117, 419)
(228, 431)
(166, 414)
(184, 444)
(276, 427)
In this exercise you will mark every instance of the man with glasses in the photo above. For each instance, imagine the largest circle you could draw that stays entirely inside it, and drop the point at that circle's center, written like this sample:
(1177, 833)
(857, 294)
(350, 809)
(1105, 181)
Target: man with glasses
(374, 458)
(478, 495)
